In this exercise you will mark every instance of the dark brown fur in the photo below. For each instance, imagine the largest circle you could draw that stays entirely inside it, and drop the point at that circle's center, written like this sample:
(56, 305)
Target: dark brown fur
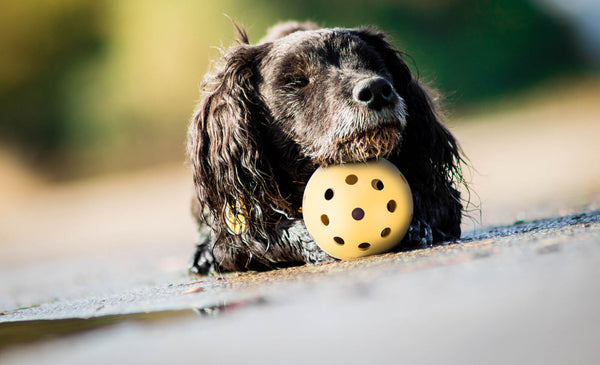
(305, 97)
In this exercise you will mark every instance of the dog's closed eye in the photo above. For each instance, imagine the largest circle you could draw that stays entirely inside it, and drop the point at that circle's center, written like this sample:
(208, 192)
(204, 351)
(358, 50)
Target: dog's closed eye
(295, 81)
(293, 72)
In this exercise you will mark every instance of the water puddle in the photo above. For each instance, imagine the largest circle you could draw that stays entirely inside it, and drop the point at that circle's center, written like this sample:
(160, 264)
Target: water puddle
(26, 332)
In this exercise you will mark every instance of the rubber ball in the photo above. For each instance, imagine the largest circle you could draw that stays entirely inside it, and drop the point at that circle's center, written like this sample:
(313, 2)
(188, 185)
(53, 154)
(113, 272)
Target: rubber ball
(359, 209)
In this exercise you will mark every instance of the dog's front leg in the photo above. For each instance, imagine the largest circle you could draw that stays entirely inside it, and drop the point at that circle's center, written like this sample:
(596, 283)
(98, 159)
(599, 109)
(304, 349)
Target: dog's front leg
(419, 235)
(203, 261)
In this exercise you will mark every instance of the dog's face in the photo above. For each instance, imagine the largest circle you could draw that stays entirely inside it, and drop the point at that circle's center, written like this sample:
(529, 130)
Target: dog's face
(331, 94)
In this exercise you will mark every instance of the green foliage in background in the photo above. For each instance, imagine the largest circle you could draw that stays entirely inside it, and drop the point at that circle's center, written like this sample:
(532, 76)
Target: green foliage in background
(42, 43)
(98, 86)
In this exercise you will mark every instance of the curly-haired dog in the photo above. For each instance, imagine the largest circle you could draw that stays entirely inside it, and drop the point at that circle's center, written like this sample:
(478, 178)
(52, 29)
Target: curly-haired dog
(305, 97)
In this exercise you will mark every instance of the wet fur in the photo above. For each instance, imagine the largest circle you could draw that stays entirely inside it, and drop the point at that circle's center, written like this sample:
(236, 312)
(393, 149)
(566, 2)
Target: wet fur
(271, 113)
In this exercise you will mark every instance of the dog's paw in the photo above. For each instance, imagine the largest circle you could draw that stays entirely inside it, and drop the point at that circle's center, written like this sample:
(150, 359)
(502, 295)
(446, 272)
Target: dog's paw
(203, 261)
(419, 235)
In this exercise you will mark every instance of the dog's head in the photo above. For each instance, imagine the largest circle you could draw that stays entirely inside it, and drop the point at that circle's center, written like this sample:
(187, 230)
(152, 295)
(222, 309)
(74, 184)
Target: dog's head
(331, 94)
(304, 97)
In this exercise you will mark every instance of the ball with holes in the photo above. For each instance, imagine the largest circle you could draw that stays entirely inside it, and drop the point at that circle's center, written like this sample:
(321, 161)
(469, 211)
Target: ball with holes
(359, 209)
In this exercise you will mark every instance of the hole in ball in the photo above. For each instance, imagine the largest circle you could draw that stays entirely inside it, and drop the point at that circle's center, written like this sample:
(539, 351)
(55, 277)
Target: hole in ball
(377, 184)
(391, 206)
(364, 246)
(351, 179)
(325, 219)
(386, 232)
(358, 214)
(338, 240)
(328, 194)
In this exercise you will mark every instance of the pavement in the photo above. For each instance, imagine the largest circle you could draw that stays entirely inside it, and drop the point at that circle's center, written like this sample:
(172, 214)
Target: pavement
(95, 271)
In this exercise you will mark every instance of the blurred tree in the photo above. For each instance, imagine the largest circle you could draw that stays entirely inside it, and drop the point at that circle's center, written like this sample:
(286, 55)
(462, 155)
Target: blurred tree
(42, 42)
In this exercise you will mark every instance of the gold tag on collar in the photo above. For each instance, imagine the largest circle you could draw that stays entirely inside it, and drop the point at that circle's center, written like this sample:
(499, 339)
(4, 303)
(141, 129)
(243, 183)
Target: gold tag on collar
(235, 219)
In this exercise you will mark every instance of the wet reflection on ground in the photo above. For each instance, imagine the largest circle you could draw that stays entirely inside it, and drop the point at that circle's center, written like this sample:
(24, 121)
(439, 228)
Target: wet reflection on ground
(24, 332)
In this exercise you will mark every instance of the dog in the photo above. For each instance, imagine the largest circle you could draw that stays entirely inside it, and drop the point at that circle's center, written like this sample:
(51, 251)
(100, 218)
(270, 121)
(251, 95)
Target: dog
(303, 97)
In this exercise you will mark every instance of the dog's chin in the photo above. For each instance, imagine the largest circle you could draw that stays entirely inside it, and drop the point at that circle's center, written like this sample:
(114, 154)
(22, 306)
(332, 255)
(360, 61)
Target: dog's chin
(364, 146)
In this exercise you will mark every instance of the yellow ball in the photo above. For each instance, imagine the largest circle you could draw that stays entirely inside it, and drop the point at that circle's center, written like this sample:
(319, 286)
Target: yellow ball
(356, 210)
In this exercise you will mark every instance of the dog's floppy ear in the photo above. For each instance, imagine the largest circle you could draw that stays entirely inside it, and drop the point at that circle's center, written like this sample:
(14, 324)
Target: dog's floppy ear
(233, 181)
(429, 154)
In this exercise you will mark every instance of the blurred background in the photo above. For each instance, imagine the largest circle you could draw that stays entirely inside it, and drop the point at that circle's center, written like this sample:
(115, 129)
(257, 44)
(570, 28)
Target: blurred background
(95, 99)
(103, 86)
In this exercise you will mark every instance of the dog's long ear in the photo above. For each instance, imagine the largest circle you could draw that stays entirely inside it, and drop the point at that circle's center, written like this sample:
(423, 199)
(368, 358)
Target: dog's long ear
(429, 154)
(232, 179)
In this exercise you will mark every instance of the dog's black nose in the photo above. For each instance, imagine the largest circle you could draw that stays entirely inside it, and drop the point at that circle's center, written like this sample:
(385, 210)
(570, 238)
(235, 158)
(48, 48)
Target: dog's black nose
(374, 92)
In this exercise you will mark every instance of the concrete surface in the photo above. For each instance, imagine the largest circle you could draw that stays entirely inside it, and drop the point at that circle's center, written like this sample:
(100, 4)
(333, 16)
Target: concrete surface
(521, 287)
